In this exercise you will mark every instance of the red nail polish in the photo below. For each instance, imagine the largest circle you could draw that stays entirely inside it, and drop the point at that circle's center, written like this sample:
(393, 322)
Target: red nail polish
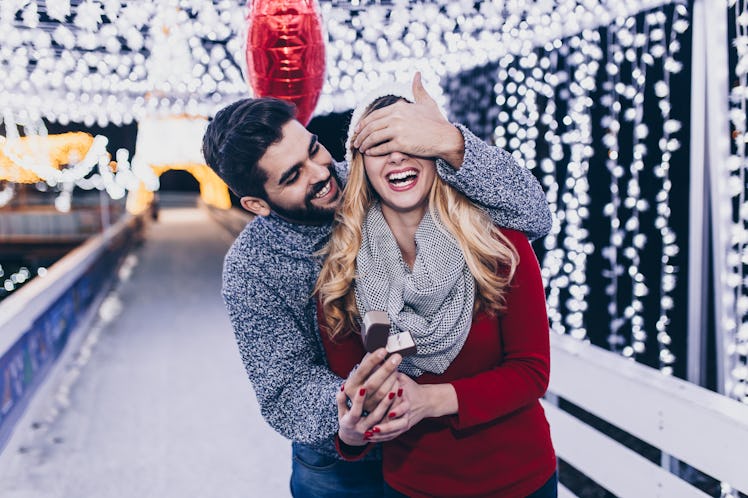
(392, 395)
(393, 414)
(342, 388)
(362, 392)
(400, 393)
(376, 429)
(368, 434)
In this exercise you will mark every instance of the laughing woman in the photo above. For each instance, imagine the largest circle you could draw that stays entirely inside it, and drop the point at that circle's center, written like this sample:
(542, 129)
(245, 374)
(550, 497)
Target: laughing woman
(471, 295)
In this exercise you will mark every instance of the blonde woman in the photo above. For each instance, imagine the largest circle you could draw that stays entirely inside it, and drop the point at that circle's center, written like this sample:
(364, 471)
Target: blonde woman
(469, 422)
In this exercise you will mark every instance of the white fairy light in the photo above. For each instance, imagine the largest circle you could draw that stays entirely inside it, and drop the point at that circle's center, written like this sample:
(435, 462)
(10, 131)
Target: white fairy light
(736, 343)
(109, 48)
(542, 109)
(668, 145)
(611, 122)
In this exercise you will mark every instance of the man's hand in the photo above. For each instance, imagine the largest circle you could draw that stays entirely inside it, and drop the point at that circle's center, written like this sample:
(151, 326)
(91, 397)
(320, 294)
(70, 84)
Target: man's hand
(418, 129)
(377, 376)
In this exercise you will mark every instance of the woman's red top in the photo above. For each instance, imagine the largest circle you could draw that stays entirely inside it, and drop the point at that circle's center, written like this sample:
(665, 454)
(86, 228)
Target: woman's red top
(499, 443)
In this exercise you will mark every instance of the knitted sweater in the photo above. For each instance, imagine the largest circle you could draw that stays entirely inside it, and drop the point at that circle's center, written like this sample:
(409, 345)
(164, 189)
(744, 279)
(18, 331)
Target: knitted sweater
(270, 271)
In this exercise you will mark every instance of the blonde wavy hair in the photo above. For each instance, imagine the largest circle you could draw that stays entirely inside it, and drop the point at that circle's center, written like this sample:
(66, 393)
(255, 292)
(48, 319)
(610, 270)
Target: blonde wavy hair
(490, 257)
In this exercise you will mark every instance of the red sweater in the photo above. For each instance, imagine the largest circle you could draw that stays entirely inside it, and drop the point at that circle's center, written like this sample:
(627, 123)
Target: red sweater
(498, 444)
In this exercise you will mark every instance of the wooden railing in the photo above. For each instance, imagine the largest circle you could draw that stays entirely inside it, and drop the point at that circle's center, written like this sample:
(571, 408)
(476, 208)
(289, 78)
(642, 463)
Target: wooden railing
(701, 428)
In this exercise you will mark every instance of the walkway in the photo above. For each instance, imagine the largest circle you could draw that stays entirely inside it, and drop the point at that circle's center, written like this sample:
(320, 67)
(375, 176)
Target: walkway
(153, 401)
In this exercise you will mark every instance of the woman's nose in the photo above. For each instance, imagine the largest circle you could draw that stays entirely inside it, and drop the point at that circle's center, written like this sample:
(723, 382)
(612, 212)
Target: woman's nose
(396, 157)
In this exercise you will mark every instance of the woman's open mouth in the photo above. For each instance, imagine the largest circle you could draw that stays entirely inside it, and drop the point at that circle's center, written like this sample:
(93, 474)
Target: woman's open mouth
(403, 179)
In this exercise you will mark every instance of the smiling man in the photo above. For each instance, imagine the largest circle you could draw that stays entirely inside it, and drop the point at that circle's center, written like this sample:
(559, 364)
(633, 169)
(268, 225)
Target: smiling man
(284, 175)
(304, 191)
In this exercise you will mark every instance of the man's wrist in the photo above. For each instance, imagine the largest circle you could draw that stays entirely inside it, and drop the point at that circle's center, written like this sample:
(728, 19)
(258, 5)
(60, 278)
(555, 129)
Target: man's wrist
(452, 146)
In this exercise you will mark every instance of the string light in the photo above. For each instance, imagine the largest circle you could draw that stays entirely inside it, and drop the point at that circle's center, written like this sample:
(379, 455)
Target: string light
(38, 158)
(736, 343)
(544, 104)
(115, 63)
(98, 62)
(667, 49)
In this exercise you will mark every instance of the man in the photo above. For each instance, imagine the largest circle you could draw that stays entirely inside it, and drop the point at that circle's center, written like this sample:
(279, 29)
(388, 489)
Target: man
(284, 175)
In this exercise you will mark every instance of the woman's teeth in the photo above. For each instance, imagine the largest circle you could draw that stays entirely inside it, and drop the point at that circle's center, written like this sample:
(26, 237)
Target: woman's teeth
(325, 190)
(402, 178)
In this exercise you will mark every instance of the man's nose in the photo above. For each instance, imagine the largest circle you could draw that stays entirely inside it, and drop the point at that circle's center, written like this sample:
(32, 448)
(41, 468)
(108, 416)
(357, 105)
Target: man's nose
(318, 172)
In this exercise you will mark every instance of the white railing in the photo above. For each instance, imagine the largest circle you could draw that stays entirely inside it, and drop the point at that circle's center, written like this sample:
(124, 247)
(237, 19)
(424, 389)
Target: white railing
(705, 430)
(38, 320)
(19, 311)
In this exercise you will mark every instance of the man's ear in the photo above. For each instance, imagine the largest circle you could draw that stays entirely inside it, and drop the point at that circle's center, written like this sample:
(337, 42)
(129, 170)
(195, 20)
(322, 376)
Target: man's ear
(255, 205)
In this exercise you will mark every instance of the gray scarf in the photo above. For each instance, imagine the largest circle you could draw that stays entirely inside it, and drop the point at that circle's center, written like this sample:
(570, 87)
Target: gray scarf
(434, 301)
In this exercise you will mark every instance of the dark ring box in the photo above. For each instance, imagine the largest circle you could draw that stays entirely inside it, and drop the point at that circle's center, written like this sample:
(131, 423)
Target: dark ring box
(375, 334)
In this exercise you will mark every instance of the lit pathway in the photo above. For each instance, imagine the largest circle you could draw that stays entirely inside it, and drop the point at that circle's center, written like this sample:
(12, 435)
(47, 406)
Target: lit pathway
(161, 406)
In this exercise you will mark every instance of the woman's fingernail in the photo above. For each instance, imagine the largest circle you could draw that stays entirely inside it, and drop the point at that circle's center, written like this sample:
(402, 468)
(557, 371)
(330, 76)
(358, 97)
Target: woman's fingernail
(392, 395)
(376, 429)
(395, 360)
(393, 414)
(368, 434)
(342, 388)
(362, 392)
(400, 393)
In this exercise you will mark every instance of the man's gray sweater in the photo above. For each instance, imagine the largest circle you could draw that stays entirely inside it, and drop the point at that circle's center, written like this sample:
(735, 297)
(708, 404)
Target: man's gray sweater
(271, 269)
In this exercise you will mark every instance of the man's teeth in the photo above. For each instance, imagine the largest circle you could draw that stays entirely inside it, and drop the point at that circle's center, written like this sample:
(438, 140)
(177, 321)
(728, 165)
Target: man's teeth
(324, 191)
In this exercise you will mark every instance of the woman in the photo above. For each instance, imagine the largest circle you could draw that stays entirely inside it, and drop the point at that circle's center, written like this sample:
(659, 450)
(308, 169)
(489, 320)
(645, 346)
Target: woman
(472, 297)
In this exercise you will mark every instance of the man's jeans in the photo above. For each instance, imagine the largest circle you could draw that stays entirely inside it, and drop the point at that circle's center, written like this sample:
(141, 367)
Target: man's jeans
(315, 475)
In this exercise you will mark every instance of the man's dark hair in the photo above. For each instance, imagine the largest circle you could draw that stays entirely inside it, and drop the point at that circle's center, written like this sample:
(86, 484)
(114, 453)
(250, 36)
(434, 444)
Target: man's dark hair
(239, 135)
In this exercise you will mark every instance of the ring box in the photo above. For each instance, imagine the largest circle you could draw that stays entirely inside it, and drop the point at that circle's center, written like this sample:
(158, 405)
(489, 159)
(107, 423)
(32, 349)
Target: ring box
(375, 334)
(376, 330)
(402, 343)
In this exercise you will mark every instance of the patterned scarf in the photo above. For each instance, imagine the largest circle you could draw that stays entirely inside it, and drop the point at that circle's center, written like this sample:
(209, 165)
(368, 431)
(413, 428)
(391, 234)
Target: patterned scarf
(433, 301)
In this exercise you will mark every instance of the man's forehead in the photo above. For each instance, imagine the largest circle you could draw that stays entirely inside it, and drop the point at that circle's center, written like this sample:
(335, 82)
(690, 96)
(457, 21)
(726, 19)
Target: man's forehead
(289, 150)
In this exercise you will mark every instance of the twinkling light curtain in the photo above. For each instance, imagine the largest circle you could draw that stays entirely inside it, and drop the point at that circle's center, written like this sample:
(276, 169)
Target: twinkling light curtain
(113, 62)
(736, 329)
(592, 114)
(109, 61)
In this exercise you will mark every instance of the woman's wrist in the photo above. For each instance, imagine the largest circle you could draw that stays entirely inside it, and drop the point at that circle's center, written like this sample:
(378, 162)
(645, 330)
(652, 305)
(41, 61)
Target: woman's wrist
(442, 400)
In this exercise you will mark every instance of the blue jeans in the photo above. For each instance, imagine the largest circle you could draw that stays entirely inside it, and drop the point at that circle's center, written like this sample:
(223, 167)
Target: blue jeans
(315, 475)
(547, 490)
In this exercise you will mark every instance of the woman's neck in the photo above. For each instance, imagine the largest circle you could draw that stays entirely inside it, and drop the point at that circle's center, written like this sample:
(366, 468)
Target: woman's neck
(403, 225)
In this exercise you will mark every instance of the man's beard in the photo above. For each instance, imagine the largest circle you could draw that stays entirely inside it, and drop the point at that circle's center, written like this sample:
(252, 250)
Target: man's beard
(309, 214)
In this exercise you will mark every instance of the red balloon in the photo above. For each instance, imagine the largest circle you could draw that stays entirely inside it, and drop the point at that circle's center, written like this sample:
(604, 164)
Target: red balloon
(286, 52)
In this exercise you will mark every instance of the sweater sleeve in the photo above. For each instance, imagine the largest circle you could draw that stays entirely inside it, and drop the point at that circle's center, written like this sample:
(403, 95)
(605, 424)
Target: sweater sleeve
(491, 177)
(522, 376)
(294, 387)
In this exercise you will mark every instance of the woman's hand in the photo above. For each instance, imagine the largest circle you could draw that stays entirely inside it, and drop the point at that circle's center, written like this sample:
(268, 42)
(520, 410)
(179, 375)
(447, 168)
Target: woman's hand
(377, 374)
(414, 402)
(418, 402)
(356, 429)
